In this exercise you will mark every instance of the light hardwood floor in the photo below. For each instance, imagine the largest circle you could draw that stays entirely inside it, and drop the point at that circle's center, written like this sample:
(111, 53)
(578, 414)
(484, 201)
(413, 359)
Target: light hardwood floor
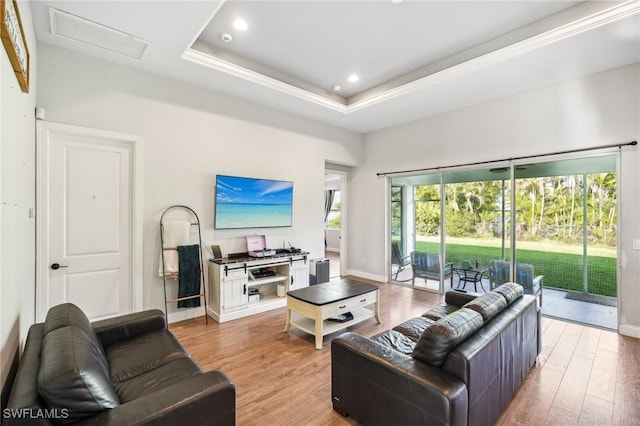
(584, 376)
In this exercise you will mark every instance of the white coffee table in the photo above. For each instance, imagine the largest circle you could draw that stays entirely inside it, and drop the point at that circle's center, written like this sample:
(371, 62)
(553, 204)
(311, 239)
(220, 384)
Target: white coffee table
(308, 309)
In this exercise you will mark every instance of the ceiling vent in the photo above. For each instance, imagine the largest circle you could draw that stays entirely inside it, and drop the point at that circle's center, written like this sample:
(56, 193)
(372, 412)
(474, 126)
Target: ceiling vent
(88, 32)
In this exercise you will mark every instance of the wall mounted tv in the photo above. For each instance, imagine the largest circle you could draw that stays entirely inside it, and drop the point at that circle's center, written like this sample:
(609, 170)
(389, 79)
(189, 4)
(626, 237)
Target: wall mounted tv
(243, 202)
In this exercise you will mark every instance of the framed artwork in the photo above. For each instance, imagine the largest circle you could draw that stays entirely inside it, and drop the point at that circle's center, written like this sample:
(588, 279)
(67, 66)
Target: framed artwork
(14, 41)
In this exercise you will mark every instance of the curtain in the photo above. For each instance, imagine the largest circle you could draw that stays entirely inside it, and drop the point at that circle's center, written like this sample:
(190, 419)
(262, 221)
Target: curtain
(329, 194)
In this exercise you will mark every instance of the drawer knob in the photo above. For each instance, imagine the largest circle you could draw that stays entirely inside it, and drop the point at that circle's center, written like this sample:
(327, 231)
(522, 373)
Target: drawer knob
(342, 307)
(363, 300)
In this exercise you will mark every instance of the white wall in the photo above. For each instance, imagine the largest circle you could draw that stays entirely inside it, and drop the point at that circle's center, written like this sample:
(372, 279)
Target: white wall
(333, 240)
(17, 230)
(597, 110)
(190, 136)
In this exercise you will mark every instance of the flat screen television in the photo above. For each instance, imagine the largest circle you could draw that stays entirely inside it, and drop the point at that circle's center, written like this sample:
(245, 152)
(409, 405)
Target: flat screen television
(243, 202)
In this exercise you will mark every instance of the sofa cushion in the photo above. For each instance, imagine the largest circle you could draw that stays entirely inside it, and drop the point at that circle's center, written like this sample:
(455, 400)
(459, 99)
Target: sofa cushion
(445, 334)
(130, 358)
(488, 305)
(510, 291)
(173, 372)
(67, 314)
(73, 376)
(440, 311)
(64, 315)
(395, 340)
(414, 327)
(459, 297)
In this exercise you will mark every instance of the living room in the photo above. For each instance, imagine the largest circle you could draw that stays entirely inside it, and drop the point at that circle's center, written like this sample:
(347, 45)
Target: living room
(192, 134)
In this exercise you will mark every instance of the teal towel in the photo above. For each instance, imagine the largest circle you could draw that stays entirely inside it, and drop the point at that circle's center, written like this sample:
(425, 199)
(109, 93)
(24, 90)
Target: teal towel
(189, 275)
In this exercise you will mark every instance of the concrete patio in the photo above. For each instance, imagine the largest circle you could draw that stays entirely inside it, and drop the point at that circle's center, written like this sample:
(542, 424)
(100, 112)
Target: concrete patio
(554, 303)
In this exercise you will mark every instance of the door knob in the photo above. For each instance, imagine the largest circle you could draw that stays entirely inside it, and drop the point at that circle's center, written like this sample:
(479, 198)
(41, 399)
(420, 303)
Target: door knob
(55, 266)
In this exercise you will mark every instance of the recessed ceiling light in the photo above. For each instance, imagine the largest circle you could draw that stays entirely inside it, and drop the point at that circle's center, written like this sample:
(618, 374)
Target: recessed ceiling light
(396, 1)
(240, 24)
(353, 78)
(226, 37)
(337, 88)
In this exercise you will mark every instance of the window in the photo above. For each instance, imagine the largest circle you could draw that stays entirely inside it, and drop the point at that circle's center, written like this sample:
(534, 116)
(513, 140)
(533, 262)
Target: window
(333, 220)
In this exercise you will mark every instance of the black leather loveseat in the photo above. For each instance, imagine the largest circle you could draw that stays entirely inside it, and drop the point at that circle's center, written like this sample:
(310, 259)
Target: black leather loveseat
(128, 370)
(458, 364)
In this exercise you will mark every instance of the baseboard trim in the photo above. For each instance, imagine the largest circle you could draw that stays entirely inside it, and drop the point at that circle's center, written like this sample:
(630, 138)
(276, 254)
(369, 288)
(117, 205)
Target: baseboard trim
(629, 330)
(185, 314)
(367, 275)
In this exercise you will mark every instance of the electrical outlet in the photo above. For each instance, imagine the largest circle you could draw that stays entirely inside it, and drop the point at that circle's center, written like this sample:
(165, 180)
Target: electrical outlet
(636, 244)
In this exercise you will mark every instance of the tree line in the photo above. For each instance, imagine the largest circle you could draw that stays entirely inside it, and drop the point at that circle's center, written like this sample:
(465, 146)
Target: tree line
(547, 208)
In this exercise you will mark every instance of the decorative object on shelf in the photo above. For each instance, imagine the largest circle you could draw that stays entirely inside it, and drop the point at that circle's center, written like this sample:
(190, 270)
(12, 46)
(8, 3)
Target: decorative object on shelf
(15, 43)
(216, 252)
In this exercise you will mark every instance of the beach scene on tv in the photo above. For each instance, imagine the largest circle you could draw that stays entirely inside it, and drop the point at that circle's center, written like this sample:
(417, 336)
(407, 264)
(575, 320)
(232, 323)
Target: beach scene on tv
(243, 202)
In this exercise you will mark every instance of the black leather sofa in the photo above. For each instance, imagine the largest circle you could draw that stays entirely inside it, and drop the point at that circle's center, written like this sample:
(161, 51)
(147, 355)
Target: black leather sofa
(128, 370)
(458, 364)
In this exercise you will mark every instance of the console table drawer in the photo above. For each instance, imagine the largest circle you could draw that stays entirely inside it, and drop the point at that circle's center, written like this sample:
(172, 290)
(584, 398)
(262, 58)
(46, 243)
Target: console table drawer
(234, 274)
(356, 302)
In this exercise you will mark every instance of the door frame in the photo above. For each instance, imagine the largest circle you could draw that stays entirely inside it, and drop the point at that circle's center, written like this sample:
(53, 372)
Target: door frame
(343, 216)
(135, 146)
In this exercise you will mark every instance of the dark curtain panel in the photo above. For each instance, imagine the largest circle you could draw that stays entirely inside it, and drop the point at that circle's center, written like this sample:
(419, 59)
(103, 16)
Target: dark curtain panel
(329, 195)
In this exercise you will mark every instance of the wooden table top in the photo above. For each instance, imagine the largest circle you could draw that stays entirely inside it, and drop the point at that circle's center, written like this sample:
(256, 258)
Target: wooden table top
(331, 292)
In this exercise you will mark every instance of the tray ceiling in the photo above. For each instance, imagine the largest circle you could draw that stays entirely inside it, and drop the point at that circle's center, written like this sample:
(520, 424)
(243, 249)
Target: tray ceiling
(412, 59)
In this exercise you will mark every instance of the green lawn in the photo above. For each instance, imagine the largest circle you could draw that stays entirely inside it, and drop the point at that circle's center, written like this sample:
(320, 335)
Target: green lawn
(560, 270)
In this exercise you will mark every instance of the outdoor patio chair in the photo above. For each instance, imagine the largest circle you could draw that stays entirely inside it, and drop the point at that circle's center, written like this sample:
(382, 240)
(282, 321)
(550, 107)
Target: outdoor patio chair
(397, 259)
(427, 266)
(499, 274)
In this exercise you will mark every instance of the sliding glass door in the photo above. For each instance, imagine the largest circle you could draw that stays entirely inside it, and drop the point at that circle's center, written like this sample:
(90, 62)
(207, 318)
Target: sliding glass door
(556, 219)
(566, 228)
(415, 230)
(427, 234)
(477, 219)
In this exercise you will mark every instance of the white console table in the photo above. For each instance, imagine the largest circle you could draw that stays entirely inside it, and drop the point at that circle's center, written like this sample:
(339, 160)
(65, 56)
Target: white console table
(231, 282)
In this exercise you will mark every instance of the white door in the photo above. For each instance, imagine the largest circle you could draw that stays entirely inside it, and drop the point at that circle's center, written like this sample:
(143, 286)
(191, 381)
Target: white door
(87, 220)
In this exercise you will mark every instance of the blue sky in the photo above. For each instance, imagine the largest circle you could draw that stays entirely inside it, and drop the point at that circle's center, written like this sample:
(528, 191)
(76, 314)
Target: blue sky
(231, 189)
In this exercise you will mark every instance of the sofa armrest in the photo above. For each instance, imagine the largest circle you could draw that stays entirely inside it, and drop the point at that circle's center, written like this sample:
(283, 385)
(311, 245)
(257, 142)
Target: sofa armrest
(127, 326)
(209, 398)
(24, 395)
(364, 373)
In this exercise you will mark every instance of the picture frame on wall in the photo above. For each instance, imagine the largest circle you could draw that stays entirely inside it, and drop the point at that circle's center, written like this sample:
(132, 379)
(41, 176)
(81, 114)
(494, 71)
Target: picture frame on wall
(15, 42)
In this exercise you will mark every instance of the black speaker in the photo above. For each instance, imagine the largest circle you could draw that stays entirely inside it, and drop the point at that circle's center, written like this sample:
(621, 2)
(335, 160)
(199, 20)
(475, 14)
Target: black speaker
(318, 271)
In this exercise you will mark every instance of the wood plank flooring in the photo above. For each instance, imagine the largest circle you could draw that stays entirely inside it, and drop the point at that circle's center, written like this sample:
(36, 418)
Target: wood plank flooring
(584, 376)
